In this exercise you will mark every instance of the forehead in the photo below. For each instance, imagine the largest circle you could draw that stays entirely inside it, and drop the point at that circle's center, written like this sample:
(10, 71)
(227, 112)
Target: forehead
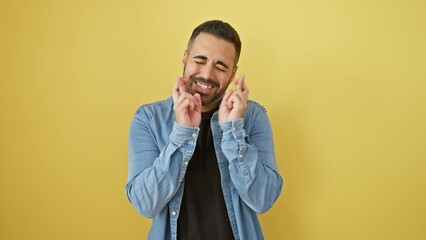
(213, 48)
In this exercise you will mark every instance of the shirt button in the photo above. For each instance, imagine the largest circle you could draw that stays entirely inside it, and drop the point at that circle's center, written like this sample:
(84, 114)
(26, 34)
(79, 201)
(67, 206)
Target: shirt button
(194, 135)
(186, 163)
(234, 129)
(174, 213)
(241, 156)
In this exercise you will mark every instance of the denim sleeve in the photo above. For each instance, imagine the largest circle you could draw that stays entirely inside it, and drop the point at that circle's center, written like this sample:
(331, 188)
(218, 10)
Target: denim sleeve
(252, 163)
(156, 174)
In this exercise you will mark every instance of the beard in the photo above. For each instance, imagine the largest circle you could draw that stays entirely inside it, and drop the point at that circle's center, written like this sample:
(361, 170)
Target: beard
(212, 98)
(206, 99)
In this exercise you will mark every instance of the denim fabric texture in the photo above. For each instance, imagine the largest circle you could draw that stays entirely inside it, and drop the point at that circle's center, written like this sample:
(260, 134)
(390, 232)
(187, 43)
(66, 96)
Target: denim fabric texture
(160, 151)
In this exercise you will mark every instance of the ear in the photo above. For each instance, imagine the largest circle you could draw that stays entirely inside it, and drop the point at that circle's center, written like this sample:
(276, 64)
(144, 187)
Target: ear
(234, 71)
(185, 58)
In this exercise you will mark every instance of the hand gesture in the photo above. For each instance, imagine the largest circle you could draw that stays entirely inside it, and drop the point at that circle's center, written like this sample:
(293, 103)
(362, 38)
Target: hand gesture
(234, 103)
(187, 107)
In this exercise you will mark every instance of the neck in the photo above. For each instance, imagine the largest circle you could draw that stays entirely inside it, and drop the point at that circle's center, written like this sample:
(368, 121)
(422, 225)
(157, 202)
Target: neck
(208, 109)
(210, 106)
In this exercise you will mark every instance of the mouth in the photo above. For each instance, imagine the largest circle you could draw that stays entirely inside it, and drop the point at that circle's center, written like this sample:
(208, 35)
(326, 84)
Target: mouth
(203, 85)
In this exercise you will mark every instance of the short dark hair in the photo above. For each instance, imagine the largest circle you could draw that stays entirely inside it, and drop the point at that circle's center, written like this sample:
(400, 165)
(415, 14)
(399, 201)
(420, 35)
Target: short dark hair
(220, 30)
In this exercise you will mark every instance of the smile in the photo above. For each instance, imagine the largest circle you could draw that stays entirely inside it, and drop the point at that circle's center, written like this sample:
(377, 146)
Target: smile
(203, 85)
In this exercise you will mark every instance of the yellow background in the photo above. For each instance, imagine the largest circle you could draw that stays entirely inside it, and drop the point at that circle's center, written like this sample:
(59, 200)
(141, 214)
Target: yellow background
(344, 83)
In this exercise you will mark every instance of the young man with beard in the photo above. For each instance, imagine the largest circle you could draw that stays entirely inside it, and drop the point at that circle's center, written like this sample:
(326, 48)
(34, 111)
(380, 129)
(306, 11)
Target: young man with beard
(202, 163)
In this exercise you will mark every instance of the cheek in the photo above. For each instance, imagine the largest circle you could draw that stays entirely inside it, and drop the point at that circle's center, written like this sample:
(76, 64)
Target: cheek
(190, 69)
(225, 81)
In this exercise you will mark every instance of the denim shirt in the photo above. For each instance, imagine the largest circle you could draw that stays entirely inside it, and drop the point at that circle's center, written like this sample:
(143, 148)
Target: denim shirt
(160, 150)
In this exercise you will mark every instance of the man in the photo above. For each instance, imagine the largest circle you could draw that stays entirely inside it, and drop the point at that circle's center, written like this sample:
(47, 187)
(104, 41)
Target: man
(202, 163)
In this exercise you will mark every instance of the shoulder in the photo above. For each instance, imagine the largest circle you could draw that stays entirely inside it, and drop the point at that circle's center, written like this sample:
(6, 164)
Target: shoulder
(162, 107)
(256, 119)
(254, 108)
(255, 115)
(165, 104)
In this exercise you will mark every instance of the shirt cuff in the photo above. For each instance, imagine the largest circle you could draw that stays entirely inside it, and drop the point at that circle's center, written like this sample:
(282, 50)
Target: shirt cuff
(180, 134)
(233, 129)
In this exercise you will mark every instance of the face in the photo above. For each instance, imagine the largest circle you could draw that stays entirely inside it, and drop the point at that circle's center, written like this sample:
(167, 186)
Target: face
(209, 65)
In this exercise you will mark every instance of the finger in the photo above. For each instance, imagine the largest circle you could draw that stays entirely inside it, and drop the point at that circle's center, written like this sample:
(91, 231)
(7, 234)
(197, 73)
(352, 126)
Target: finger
(231, 101)
(225, 98)
(241, 92)
(236, 80)
(241, 85)
(185, 80)
(182, 85)
(192, 97)
(197, 98)
(236, 98)
(186, 100)
(175, 91)
(184, 104)
(239, 82)
(190, 104)
(185, 96)
(245, 90)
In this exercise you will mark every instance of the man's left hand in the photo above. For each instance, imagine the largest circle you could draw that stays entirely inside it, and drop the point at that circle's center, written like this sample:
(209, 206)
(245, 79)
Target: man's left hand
(234, 103)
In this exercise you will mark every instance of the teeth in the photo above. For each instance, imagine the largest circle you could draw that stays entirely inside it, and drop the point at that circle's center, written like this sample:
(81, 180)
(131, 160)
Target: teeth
(203, 86)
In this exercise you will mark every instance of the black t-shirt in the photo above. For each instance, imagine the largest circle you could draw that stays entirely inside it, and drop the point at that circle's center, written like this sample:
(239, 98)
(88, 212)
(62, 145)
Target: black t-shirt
(203, 213)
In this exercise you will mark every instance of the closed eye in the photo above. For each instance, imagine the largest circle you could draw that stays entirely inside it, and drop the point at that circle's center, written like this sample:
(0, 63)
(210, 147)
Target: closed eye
(222, 65)
(200, 59)
(221, 68)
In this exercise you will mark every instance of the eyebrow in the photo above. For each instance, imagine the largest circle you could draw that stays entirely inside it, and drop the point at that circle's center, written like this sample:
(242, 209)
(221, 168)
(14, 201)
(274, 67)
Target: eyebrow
(201, 57)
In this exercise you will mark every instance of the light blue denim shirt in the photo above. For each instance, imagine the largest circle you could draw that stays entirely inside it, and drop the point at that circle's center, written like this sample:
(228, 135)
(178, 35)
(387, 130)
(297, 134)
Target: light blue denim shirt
(160, 151)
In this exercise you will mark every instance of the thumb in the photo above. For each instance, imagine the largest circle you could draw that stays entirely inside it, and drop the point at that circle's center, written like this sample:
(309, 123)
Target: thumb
(225, 98)
(198, 100)
(181, 85)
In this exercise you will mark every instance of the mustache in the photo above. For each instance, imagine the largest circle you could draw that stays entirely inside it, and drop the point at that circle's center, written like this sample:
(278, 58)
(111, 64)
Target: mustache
(203, 80)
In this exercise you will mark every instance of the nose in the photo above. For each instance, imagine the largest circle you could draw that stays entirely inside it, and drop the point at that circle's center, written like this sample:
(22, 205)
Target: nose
(207, 71)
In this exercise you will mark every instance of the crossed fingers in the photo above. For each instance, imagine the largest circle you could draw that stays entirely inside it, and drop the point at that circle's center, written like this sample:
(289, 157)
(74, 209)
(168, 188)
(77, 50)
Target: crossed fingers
(239, 95)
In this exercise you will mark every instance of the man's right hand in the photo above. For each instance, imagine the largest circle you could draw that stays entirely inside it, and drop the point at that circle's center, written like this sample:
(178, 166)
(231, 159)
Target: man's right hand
(187, 107)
